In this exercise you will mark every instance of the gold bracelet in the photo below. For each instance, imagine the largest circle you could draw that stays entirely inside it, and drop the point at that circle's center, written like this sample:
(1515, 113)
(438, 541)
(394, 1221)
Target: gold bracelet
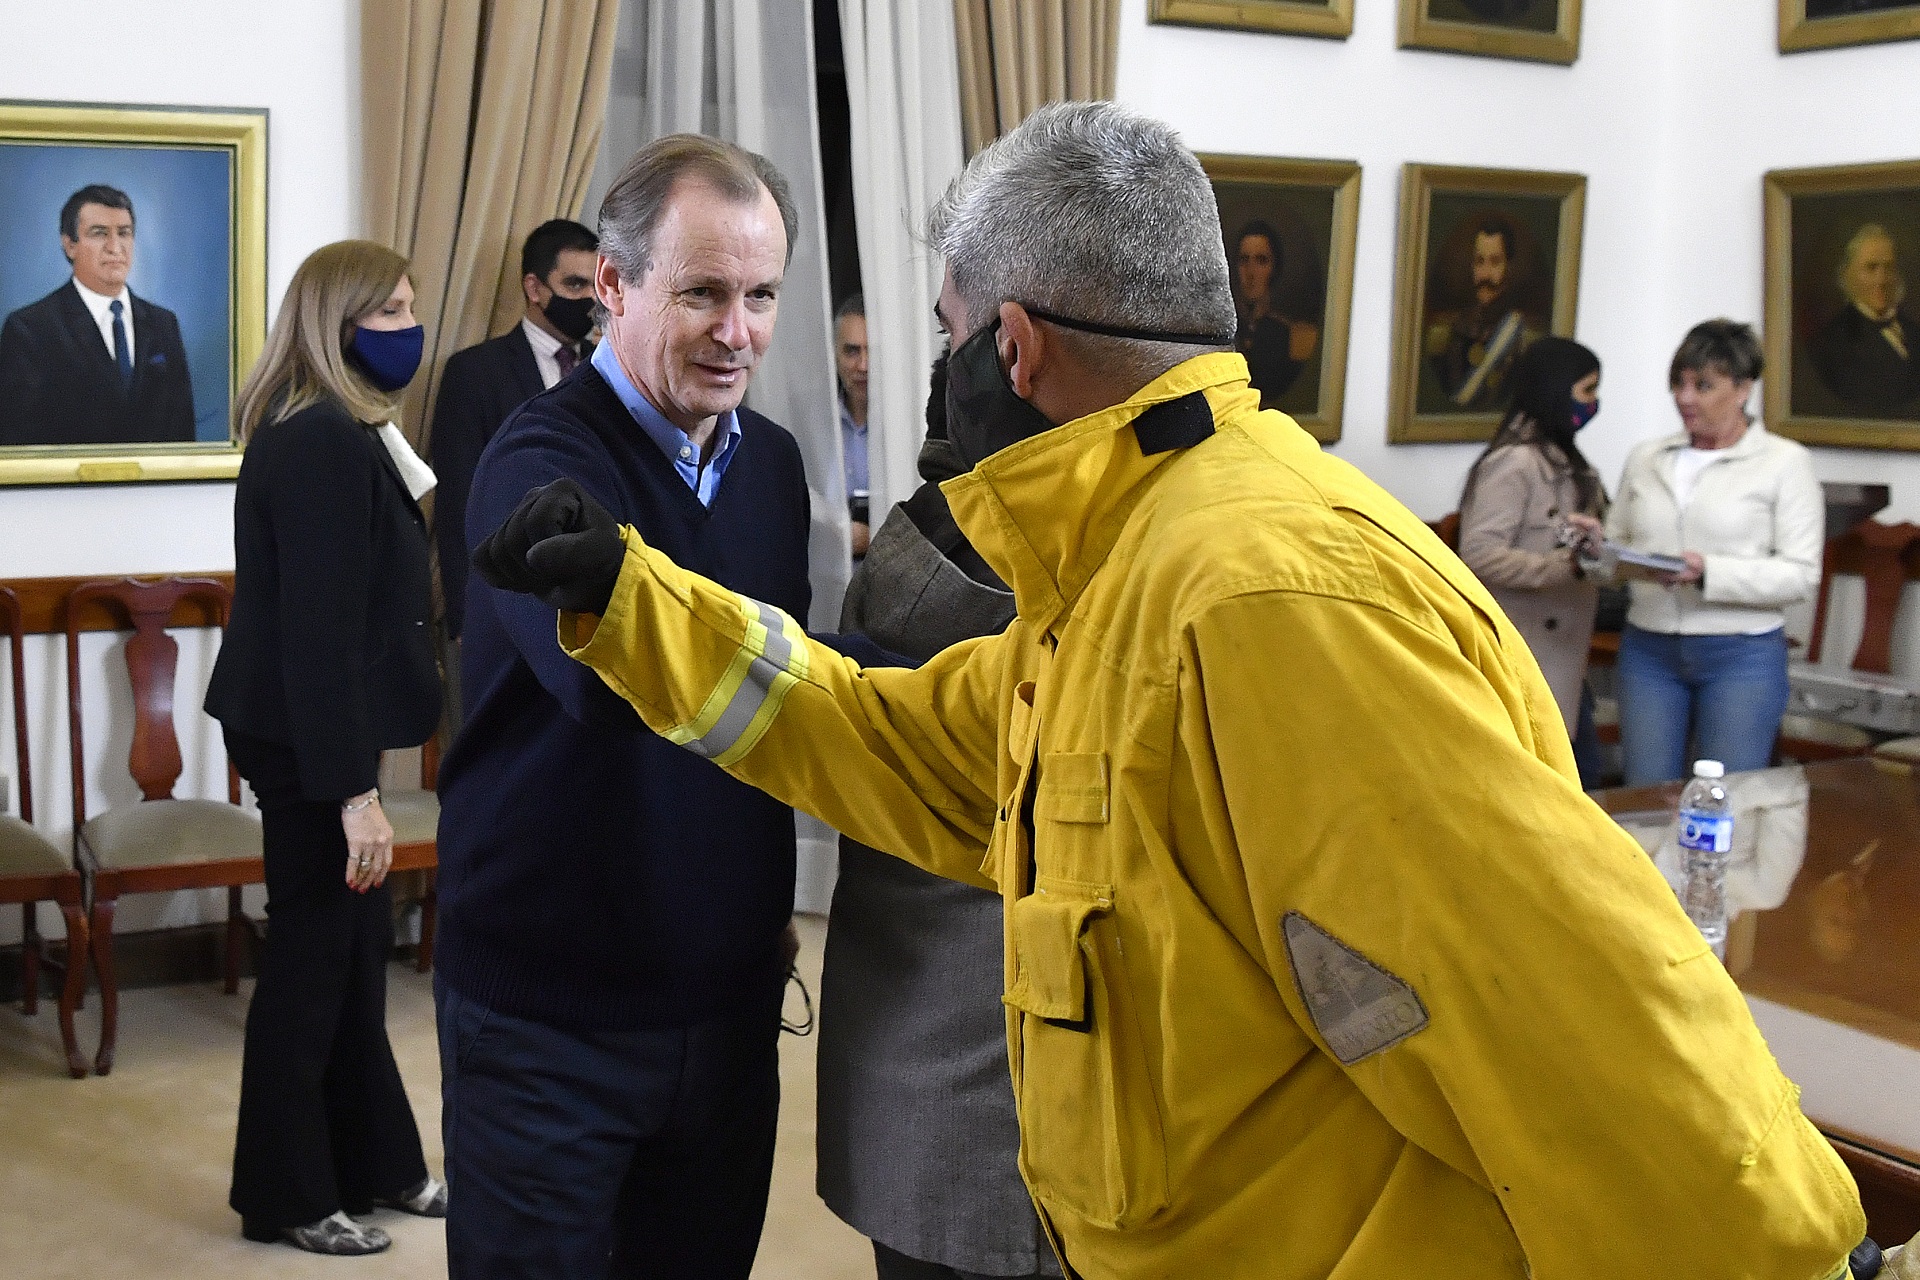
(346, 807)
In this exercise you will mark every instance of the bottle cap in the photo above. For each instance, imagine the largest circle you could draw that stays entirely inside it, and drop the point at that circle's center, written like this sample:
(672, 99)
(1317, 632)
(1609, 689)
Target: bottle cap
(1709, 769)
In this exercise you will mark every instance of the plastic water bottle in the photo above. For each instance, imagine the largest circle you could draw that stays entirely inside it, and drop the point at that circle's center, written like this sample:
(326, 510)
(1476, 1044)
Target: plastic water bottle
(1706, 834)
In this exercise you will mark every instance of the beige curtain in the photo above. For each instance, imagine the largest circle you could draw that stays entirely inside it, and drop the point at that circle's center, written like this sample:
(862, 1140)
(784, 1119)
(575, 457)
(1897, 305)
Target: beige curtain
(481, 120)
(1016, 55)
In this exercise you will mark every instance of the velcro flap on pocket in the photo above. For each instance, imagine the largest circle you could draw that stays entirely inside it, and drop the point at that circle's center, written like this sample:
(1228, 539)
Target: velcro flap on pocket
(1073, 787)
(1049, 979)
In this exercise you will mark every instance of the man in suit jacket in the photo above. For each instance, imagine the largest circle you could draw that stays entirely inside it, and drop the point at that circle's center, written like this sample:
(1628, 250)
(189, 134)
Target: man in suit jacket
(90, 363)
(1868, 353)
(486, 382)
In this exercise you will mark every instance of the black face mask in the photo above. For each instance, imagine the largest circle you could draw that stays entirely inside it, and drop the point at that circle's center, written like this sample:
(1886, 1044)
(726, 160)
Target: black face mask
(571, 316)
(985, 414)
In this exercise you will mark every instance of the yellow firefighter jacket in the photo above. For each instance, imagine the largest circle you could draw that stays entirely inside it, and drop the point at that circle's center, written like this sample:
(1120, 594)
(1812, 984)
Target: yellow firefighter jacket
(1318, 962)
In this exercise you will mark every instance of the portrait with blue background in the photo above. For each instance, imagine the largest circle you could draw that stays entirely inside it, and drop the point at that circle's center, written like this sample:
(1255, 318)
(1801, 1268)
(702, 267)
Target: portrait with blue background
(183, 259)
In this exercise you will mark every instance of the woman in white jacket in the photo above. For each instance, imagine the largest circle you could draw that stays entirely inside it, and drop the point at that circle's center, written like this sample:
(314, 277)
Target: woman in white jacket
(1703, 658)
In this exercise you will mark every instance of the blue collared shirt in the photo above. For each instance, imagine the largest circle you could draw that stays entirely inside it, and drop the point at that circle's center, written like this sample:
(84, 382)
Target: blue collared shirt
(853, 447)
(675, 443)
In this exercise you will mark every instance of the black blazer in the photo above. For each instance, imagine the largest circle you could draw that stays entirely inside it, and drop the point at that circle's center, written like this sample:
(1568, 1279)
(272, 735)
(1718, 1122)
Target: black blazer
(59, 385)
(481, 387)
(328, 651)
(1861, 367)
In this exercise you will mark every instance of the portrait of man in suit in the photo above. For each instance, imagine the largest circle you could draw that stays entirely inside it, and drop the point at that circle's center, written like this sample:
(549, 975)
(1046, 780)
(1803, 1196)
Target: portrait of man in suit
(1868, 352)
(91, 362)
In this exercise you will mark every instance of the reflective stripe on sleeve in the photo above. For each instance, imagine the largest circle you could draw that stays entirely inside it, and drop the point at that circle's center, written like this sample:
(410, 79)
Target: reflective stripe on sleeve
(770, 661)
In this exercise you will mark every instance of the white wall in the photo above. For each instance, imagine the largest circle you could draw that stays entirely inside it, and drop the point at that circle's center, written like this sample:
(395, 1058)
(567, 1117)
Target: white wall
(1673, 111)
(300, 60)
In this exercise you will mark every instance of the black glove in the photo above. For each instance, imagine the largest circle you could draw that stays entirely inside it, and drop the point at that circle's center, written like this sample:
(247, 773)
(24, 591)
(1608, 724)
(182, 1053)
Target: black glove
(560, 545)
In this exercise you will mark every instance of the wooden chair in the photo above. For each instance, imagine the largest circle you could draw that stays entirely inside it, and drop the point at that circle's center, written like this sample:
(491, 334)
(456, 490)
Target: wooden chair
(34, 870)
(1881, 553)
(415, 816)
(159, 844)
(1447, 528)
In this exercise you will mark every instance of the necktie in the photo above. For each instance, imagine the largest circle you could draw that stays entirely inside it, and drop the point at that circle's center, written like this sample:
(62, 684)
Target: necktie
(121, 356)
(566, 358)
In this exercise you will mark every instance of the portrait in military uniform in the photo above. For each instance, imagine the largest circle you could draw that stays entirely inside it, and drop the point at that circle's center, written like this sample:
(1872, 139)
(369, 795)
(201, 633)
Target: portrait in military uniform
(1822, 24)
(122, 239)
(1287, 228)
(1489, 262)
(1842, 247)
(1538, 30)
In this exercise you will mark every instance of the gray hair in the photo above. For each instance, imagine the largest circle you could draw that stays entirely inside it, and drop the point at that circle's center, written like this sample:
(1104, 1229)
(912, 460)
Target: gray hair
(1096, 213)
(854, 304)
(1855, 243)
(637, 200)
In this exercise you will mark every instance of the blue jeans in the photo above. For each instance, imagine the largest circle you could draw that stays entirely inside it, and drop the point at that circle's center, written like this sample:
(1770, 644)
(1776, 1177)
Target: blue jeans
(1725, 693)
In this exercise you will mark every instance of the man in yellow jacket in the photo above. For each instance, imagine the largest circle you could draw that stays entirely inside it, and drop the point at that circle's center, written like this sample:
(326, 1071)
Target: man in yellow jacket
(1318, 962)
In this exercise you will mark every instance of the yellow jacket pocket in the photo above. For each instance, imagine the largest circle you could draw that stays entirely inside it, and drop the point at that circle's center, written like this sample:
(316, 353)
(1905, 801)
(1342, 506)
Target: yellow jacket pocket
(1092, 1143)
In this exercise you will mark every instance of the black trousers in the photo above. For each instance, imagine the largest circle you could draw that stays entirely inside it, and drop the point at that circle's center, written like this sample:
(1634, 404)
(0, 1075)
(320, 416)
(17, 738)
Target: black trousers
(324, 1119)
(595, 1154)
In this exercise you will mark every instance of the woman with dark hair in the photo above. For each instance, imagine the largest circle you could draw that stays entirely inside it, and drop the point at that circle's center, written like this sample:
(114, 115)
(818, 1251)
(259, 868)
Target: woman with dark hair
(327, 662)
(1264, 337)
(1703, 658)
(1530, 486)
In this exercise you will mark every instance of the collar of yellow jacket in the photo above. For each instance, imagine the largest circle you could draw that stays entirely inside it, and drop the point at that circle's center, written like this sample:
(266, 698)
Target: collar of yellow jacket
(1045, 512)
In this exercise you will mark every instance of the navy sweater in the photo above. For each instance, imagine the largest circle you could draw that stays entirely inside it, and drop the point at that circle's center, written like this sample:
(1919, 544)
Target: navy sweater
(591, 874)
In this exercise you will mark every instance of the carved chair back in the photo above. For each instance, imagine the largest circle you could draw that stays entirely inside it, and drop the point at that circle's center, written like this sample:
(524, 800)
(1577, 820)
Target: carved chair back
(1883, 553)
(16, 644)
(147, 609)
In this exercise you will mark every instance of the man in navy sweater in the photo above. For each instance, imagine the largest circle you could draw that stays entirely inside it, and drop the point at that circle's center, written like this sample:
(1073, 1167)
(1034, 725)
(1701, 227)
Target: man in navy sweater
(612, 906)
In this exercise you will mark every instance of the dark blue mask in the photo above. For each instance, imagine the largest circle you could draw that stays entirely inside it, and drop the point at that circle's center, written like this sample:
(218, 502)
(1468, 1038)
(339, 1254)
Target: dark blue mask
(389, 357)
(1583, 413)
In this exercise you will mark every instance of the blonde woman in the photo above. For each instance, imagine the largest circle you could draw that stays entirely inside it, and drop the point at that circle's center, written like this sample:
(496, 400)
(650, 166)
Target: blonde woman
(326, 663)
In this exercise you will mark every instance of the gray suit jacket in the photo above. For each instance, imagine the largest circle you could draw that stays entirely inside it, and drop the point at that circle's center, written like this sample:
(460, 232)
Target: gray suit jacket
(918, 1140)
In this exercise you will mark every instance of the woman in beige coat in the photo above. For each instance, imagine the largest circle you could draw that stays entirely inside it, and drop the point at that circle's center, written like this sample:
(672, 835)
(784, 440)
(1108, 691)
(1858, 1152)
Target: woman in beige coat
(1521, 498)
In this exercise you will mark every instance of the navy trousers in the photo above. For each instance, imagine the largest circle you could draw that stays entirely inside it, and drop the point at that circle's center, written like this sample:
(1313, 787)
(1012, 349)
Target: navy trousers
(607, 1153)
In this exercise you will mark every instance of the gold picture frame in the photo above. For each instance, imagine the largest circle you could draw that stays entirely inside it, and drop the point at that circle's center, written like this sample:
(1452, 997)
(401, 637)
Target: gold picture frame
(1836, 241)
(1513, 234)
(196, 180)
(1798, 31)
(1332, 19)
(1534, 30)
(1302, 219)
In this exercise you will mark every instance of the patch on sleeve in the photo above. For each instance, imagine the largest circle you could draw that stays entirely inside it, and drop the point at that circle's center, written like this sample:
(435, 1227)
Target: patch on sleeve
(1358, 1007)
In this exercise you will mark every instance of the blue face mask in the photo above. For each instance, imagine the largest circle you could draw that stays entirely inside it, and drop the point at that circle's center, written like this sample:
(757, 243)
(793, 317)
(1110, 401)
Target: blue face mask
(389, 357)
(1583, 413)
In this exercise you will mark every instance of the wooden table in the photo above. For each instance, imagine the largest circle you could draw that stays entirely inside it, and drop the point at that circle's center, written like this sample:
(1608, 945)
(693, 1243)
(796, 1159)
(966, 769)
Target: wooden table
(1828, 953)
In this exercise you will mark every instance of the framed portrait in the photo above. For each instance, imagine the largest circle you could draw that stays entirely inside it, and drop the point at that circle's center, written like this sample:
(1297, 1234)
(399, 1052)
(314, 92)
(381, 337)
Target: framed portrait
(1333, 18)
(1289, 228)
(1488, 261)
(1538, 30)
(1843, 338)
(133, 288)
(1822, 24)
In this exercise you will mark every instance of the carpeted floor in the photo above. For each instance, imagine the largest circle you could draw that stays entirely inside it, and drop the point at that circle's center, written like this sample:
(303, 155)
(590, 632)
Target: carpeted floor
(127, 1175)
